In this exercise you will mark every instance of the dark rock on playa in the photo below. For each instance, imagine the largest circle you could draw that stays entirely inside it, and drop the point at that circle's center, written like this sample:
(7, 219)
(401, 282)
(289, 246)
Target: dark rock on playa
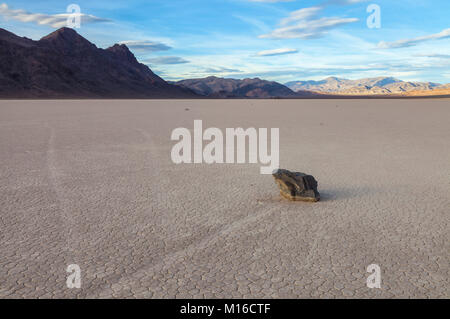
(297, 186)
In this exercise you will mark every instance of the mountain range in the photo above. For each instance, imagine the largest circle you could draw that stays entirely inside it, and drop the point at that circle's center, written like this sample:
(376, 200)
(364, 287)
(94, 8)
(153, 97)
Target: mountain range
(215, 87)
(331, 87)
(63, 64)
(369, 86)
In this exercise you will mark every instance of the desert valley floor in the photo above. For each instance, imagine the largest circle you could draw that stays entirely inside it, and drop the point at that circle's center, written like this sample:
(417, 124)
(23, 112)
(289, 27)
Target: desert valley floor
(91, 183)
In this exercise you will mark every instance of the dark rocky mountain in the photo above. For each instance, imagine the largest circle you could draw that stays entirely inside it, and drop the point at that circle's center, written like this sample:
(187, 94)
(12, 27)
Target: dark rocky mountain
(232, 88)
(66, 65)
(369, 86)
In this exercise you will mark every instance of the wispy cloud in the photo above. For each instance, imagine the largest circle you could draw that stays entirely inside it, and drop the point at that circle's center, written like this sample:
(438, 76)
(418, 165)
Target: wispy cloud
(305, 14)
(166, 60)
(148, 46)
(308, 29)
(261, 26)
(306, 23)
(53, 20)
(204, 72)
(220, 70)
(273, 52)
(414, 41)
(433, 55)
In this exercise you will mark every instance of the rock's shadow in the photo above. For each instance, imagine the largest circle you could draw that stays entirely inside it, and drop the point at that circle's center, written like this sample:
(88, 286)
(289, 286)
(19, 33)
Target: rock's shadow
(326, 195)
(332, 194)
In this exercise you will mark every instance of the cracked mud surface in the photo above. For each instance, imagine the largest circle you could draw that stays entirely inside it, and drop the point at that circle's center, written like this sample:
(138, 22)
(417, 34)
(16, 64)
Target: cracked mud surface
(92, 183)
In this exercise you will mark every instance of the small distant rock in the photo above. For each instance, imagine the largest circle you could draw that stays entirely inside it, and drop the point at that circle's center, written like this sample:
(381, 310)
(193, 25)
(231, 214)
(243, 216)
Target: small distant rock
(297, 186)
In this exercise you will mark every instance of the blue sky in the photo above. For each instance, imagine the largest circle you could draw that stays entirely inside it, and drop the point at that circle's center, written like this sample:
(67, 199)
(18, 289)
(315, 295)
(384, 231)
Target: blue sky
(271, 39)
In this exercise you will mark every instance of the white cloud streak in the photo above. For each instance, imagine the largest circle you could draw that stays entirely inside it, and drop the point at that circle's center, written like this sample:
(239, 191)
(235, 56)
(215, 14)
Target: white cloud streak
(54, 20)
(308, 29)
(148, 46)
(412, 42)
(221, 70)
(281, 51)
(306, 23)
(166, 60)
(433, 55)
(305, 14)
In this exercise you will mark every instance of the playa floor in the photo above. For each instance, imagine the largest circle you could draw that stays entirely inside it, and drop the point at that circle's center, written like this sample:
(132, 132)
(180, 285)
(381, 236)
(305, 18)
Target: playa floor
(92, 183)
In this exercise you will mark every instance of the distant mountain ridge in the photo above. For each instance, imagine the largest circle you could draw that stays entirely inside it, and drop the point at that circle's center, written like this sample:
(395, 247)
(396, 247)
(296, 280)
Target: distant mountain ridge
(367, 86)
(215, 87)
(63, 64)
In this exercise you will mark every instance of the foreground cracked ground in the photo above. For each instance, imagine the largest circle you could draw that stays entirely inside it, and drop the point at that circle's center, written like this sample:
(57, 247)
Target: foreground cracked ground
(92, 183)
